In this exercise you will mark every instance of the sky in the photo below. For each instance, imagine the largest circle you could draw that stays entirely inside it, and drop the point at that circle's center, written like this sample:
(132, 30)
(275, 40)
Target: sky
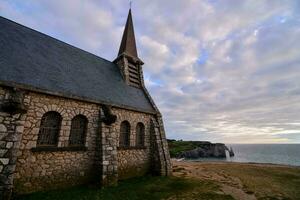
(219, 70)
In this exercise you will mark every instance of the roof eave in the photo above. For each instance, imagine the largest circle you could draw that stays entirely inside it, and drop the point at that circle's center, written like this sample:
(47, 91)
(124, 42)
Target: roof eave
(71, 96)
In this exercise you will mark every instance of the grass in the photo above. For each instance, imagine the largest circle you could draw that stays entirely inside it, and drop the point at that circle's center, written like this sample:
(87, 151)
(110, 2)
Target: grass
(179, 146)
(146, 188)
(265, 182)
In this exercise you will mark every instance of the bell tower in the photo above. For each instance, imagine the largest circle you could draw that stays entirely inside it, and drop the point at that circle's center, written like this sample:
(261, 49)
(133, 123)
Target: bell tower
(127, 59)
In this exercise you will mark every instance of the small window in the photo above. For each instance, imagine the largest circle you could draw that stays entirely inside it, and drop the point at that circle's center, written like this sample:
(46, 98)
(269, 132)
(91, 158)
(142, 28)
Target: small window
(78, 130)
(124, 140)
(49, 129)
(140, 134)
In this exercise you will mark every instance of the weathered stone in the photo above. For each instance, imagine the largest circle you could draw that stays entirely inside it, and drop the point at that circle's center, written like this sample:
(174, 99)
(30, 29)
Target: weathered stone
(9, 145)
(2, 144)
(27, 124)
(19, 129)
(205, 149)
(2, 135)
(4, 180)
(9, 169)
(12, 137)
(2, 152)
(30, 144)
(4, 161)
(105, 162)
(3, 128)
(39, 170)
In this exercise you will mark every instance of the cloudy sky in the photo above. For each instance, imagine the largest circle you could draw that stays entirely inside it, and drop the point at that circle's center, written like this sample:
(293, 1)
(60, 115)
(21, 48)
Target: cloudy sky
(219, 70)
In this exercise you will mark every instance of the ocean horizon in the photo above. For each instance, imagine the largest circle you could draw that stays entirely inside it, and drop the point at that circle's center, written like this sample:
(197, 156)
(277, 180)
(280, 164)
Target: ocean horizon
(286, 154)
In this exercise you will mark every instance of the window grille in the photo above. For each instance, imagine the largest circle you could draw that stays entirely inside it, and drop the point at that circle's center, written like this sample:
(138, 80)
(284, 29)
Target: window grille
(49, 129)
(78, 130)
(140, 134)
(124, 140)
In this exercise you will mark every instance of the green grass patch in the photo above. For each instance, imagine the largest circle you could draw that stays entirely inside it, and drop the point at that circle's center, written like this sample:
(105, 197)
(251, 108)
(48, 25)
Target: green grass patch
(146, 188)
(179, 146)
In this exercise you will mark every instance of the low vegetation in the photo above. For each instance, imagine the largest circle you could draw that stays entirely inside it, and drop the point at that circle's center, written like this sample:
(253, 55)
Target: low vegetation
(272, 182)
(246, 181)
(194, 181)
(178, 146)
(145, 188)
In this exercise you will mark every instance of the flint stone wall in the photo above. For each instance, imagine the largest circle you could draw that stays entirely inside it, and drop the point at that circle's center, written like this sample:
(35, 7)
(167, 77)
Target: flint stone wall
(134, 160)
(29, 168)
(11, 128)
(132, 163)
(39, 169)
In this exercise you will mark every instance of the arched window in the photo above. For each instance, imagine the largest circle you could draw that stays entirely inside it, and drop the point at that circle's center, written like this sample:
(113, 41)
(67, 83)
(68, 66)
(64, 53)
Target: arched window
(140, 134)
(49, 129)
(124, 140)
(78, 130)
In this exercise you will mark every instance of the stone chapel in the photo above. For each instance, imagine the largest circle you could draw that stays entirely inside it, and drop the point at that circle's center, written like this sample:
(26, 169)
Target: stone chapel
(69, 117)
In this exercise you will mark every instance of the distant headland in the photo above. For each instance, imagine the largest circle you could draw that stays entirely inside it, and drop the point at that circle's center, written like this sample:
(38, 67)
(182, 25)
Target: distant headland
(198, 149)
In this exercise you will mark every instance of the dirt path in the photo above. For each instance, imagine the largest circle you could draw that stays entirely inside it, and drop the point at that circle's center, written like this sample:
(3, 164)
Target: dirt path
(229, 185)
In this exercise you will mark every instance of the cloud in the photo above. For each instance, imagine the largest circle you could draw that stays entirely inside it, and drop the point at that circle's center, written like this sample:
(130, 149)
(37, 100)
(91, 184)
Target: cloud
(225, 71)
(87, 25)
(156, 53)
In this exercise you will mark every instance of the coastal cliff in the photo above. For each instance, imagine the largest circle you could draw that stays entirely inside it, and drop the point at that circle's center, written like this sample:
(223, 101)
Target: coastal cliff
(198, 149)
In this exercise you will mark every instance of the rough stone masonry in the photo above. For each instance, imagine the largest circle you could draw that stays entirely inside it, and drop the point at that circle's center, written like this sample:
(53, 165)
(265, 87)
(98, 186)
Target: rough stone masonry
(68, 117)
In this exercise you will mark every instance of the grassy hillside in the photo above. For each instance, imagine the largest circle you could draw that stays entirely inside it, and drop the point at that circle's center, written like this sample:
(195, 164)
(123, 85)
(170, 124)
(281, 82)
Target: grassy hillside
(178, 146)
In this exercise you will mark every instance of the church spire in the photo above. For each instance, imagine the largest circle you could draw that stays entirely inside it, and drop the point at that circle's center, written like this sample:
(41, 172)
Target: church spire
(128, 46)
(128, 61)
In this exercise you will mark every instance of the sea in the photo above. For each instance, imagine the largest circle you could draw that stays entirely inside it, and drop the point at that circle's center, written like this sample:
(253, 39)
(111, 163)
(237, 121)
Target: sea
(287, 154)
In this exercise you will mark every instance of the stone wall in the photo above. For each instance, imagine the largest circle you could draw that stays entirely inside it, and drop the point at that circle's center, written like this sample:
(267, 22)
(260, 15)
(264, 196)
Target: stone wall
(160, 149)
(38, 169)
(11, 128)
(108, 161)
(134, 160)
(30, 168)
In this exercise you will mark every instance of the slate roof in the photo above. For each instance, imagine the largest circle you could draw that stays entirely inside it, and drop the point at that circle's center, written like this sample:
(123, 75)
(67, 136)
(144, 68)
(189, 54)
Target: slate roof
(34, 60)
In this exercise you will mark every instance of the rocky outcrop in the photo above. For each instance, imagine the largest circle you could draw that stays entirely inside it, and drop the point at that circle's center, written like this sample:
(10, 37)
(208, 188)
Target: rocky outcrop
(207, 150)
(231, 153)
